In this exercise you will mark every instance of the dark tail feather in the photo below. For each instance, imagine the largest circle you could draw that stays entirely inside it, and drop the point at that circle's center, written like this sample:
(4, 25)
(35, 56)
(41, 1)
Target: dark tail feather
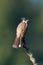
(16, 42)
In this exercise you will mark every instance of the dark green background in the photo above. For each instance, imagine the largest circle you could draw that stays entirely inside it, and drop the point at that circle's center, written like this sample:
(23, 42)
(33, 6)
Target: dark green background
(10, 13)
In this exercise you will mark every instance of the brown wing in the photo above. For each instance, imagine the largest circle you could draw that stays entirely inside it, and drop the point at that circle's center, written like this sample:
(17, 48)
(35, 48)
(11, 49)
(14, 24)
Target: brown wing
(21, 29)
(16, 42)
(19, 34)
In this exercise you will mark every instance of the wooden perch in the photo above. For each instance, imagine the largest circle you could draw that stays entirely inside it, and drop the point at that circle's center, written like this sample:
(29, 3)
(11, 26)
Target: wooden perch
(30, 55)
(32, 59)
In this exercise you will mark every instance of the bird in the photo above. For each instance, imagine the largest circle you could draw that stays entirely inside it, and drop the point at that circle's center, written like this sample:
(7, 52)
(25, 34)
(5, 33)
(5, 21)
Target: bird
(20, 31)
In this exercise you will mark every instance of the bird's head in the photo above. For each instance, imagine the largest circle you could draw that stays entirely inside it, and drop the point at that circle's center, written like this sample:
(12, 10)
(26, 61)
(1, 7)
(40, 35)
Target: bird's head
(25, 20)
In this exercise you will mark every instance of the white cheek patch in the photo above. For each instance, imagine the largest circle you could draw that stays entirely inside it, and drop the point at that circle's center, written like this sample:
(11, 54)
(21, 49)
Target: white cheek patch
(25, 21)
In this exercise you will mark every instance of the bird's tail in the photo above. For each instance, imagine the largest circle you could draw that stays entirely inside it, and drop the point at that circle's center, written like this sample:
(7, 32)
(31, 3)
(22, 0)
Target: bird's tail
(16, 42)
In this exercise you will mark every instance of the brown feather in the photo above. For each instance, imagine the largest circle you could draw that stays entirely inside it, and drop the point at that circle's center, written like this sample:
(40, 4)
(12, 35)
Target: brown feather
(21, 28)
(16, 42)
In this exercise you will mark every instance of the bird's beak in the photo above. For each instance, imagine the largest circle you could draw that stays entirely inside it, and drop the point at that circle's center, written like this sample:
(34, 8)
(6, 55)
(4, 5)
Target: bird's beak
(27, 20)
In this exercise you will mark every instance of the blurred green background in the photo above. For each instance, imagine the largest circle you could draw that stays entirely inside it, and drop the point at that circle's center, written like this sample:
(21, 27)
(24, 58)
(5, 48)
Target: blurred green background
(10, 13)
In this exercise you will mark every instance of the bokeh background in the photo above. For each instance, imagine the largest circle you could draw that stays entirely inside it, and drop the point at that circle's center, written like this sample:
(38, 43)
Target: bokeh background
(10, 13)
